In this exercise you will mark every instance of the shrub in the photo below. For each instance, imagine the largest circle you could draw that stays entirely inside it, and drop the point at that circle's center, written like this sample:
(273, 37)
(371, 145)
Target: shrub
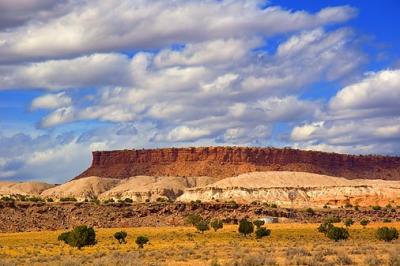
(120, 236)
(325, 206)
(348, 205)
(348, 222)
(310, 211)
(216, 224)
(386, 220)
(49, 200)
(202, 226)
(258, 223)
(273, 205)
(35, 199)
(79, 237)
(387, 234)
(262, 231)
(64, 237)
(376, 208)
(337, 233)
(107, 201)
(356, 208)
(324, 227)
(128, 200)
(5, 198)
(141, 241)
(364, 222)
(67, 199)
(232, 204)
(160, 199)
(246, 227)
(193, 219)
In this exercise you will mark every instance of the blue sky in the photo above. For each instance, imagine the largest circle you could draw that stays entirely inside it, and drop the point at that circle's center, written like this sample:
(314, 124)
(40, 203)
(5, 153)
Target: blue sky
(98, 75)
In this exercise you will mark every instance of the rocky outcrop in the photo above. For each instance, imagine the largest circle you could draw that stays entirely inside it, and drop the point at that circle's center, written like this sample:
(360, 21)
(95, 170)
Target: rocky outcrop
(314, 197)
(223, 162)
(306, 189)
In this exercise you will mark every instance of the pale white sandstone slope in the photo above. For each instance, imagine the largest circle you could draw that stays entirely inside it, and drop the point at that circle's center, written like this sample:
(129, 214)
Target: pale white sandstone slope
(23, 188)
(83, 188)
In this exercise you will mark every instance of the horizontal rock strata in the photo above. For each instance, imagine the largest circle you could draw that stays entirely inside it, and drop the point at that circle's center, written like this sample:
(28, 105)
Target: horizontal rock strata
(223, 162)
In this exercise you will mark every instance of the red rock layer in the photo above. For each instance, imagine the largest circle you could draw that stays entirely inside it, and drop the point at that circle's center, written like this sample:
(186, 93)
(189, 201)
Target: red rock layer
(230, 161)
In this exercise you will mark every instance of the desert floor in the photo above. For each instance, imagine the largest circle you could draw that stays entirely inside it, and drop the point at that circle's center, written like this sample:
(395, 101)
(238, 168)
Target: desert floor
(289, 244)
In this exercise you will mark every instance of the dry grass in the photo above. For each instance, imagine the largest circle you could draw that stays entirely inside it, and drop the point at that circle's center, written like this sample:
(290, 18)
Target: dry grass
(289, 244)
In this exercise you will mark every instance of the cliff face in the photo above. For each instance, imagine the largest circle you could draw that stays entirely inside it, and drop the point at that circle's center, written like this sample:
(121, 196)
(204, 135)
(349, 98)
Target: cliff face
(224, 162)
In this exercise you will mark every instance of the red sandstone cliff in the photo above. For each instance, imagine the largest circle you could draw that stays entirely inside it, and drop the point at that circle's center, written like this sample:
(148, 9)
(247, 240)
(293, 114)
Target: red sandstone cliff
(230, 161)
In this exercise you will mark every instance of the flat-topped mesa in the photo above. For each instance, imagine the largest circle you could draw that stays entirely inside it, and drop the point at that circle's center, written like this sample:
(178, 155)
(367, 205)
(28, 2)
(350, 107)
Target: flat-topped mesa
(224, 162)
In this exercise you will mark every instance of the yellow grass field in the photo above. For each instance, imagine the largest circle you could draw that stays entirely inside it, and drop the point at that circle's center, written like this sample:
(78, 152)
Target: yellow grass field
(289, 244)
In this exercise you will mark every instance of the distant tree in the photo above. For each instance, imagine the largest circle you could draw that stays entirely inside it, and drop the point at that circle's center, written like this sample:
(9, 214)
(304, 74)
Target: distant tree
(202, 226)
(216, 224)
(233, 205)
(6, 198)
(262, 232)
(160, 199)
(376, 208)
(364, 222)
(258, 223)
(274, 205)
(387, 220)
(310, 211)
(348, 205)
(337, 233)
(246, 227)
(64, 237)
(79, 237)
(324, 227)
(348, 222)
(387, 234)
(141, 241)
(49, 200)
(128, 200)
(35, 199)
(193, 219)
(120, 236)
(66, 199)
(107, 201)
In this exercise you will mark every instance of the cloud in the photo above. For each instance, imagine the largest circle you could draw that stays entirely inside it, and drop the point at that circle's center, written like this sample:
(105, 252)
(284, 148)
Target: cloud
(376, 95)
(102, 26)
(192, 96)
(82, 72)
(184, 133)
(17, 13)
(51, 101)
(361, 117)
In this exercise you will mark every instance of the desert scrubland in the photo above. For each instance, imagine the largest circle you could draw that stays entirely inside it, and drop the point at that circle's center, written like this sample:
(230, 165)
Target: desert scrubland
(288, 244)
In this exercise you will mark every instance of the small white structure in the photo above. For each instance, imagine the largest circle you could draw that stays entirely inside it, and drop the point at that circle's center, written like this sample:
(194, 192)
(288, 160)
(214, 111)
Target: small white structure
(269, 220)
